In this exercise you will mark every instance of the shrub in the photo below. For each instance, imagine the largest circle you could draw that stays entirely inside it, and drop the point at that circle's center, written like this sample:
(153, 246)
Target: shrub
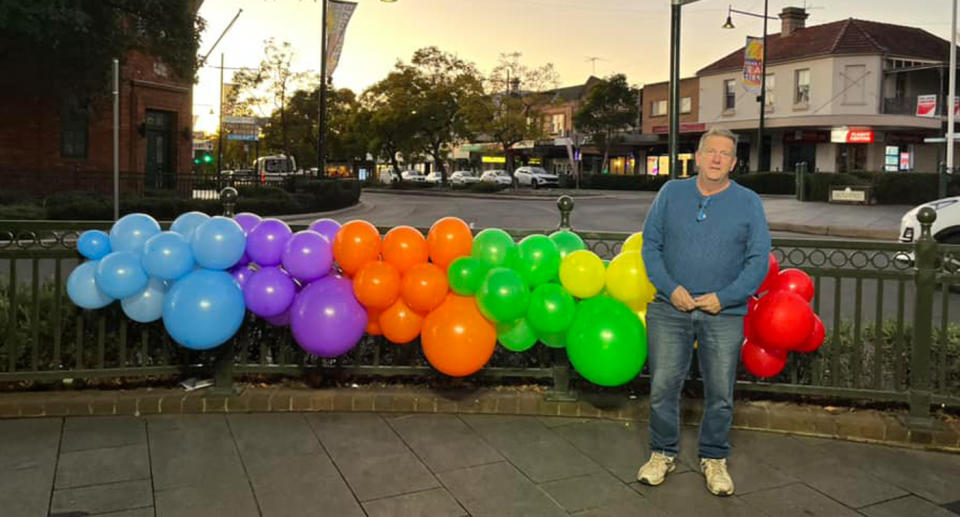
(818, 184)
(769, 182)
(615, 182)
(486, 187)
(22, 212)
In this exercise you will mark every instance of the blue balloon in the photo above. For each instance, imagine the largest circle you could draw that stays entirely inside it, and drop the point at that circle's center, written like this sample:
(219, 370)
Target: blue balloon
(94, 244)
(218, 243)
(120, 275)
(82, 287)
(188, 222)
(203, 309)
(147, 305)
(167, 255)
(131, 232)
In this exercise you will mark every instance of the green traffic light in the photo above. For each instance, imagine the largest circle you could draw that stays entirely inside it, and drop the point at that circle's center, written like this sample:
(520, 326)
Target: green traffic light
(207, 158)
(196, 161)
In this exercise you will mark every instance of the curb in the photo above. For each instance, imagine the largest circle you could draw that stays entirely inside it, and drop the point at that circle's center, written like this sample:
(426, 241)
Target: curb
(835, 231)
(859, 425)
(526, 197)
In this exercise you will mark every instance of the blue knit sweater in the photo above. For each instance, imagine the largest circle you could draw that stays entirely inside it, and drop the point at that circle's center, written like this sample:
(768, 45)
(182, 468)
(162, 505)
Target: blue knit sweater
(708, 244)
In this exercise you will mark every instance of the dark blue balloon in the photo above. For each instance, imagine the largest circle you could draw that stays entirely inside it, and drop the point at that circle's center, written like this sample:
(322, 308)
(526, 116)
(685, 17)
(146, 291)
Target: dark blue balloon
(203, 309)
(94, 244)
(120, 275)
(167, 255)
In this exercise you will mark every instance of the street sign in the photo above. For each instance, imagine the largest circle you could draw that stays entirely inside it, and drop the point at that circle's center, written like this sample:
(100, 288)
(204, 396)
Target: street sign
(242, 137)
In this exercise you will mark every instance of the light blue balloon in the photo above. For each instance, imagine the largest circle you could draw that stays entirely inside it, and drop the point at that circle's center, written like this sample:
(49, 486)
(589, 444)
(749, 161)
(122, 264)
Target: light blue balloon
(147, 305)
(218, 243)
(203, 309)
(167, 255)
(94, 244)
(188, 222)
(132, 231)
(120, 275)
(82, 287)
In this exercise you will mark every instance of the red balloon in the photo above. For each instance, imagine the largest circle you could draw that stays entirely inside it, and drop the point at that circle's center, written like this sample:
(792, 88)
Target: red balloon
(773, 269)
(815, 339)
(763, 362)
(796, 281)
(782, 319)
(748, 332)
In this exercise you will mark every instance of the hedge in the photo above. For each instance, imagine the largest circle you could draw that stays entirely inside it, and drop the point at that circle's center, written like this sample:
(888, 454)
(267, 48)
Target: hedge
(769, 182)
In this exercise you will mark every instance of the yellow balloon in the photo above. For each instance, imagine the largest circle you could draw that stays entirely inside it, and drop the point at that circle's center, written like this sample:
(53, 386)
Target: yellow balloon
(633, 242)
(627, 278)
(638, 305)
(643, 316)
(582, 274)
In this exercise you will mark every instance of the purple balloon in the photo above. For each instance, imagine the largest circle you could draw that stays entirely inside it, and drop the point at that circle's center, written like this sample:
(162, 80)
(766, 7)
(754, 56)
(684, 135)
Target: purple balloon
(280, 321)
(307, 256)
(326, 319)
(327, 227)
(241, 274)
(269, 292)
(266, 240)
(247, 221)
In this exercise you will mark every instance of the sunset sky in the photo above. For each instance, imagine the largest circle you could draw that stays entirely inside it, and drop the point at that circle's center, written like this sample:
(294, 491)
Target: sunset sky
(627, 36)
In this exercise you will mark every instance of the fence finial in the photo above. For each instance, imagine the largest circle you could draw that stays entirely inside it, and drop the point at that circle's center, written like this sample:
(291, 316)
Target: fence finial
(565, 204)
(228, 196)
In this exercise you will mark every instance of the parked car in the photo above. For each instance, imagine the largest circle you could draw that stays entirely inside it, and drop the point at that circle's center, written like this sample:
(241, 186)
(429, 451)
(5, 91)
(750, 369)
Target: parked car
(434, 177)
(535, 177)
(498, 176)
(388, 176)
(274, 168)
(464, 177)
(414, 176)
(946, 228)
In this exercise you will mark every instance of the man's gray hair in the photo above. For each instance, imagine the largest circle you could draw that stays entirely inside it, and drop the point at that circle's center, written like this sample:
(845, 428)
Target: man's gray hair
(718, 131)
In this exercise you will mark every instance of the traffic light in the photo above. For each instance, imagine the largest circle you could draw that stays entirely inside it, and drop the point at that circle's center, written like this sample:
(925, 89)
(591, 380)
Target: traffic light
(207, 158)
(196, 161)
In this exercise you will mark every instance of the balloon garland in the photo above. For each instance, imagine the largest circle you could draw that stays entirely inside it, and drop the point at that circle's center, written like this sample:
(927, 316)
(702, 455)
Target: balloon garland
(459, 293)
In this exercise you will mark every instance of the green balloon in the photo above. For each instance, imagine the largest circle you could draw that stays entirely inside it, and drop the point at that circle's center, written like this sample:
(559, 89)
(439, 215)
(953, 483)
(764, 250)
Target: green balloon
(558, 340)
(503, 297)
(465, 275)
(516, 336)
(551, 309)
(607, 343)
(538, 259)
(494, 248)
(567, 242)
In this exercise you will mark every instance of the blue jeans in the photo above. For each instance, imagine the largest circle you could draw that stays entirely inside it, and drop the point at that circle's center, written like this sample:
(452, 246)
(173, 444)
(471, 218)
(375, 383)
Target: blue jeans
(670, 337)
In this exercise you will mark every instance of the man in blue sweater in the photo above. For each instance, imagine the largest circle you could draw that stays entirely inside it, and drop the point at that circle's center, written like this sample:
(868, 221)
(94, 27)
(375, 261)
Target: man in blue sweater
(705, 246)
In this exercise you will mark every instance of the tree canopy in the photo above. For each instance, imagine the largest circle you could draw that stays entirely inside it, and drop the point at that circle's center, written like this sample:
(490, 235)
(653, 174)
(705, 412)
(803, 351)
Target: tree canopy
(610, 108)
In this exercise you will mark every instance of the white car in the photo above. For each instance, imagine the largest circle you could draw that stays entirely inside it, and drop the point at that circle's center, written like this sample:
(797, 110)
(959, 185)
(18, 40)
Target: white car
(387, 176)
(434, 177)
(464, 177)
(535, 177)
(946, 228)
(413, 176)
(498, 176)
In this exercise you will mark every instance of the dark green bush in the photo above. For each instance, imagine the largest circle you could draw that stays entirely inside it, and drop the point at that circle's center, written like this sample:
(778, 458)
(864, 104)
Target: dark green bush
(22, 212)
(818, 184)
(615, 182)
(263, 192)
(769, 182)
(16, 197)
(486, 187)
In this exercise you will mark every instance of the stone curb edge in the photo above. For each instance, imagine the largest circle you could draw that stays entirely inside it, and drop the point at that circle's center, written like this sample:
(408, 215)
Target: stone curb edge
(526, 197)
(861, 425)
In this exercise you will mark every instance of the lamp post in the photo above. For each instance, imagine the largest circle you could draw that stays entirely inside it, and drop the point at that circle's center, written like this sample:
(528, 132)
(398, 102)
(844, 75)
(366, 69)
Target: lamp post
(674, 135)
(762, 98)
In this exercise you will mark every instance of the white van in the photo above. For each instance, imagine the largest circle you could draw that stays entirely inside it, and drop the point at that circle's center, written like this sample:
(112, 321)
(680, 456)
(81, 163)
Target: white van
(274, 168)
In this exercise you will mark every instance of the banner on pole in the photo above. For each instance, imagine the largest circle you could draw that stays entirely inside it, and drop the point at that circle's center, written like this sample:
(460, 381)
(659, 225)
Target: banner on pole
(753, 56)
(338, 16)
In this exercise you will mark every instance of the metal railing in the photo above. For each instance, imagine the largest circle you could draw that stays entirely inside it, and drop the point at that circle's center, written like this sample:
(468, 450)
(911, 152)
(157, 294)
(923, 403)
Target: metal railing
(890, 309)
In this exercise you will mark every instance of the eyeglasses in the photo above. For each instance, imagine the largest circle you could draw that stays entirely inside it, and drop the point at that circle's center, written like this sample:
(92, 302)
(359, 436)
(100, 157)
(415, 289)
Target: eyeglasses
(713, 153)
(701, 210)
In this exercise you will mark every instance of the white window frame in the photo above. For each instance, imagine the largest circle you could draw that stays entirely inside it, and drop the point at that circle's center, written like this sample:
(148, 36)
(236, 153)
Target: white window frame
(801, 91)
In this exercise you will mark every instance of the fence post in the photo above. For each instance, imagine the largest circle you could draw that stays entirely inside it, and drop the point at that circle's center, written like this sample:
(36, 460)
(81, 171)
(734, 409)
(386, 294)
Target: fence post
(558, 356)
(920, 385)
(801, 172)
(226, 353)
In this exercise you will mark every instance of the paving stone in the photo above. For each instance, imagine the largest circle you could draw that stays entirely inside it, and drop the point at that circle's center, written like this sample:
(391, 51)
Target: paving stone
(83, 433)
(637, 505)
(620, 447)
(443, 442)
(25, 491)
(686, 494)
(29, 442)
(797, 500)
(139, 512)
(429, 503)
(909, 506)
(99, 466)
(188, 450)
(590, 491)
(112, 497)
(557, 421)
(498, 490)
(216, 498)
(271, 435)
(372, 458)
(846, 483)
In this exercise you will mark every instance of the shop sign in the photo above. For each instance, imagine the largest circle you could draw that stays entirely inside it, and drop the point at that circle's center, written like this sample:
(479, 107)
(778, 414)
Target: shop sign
(852, 135)
(806, 137)
(689, 127)
(926, 105)
(494, 159)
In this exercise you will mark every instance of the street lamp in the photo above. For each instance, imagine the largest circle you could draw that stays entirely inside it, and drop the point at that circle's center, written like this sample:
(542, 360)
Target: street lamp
(762, 98)
(674, 134)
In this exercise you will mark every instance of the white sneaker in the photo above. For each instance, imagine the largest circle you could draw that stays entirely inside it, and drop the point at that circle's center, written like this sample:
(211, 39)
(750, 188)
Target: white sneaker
(655, 470)
(718, 479)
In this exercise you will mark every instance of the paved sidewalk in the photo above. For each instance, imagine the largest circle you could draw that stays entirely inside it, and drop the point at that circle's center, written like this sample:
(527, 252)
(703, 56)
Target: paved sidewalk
(355, 464)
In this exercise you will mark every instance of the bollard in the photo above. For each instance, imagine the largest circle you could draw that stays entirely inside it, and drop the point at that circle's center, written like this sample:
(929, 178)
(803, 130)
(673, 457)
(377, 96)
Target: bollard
(558, 356)
(925, 251)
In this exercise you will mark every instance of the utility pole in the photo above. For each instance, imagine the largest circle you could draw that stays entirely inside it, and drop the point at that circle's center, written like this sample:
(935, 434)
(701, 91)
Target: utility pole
(322, 125)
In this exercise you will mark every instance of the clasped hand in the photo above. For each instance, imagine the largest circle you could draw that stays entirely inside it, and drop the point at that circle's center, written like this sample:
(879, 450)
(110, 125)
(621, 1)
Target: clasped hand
(682, 300)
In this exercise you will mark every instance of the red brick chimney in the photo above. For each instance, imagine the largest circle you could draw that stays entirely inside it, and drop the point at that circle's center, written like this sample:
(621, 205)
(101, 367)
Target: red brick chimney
(792, 19)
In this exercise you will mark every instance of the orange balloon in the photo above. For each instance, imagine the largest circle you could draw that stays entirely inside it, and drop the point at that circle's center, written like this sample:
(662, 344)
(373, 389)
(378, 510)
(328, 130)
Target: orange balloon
(456, 338)
(405, 247)
(356, 243)
(373, 322)
(377, 285)
(400, 323)
(448, 239)
(424, 287)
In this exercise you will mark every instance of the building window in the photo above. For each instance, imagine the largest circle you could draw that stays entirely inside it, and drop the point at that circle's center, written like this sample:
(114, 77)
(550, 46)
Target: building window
(557, 124)
(729, 94)
(768, 96)
(658, 108)
(74, 122)
(686, 105)
(854, 84)
(801, 94)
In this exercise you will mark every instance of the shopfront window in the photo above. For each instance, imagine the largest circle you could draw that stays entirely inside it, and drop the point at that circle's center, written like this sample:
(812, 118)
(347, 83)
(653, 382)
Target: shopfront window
(658, 108)
(851, 157)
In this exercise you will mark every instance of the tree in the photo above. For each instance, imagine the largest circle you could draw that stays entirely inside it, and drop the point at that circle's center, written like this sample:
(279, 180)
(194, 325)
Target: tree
(74, 41)
(266, 89)
(391, 107)
(609, 109)
(509, 112)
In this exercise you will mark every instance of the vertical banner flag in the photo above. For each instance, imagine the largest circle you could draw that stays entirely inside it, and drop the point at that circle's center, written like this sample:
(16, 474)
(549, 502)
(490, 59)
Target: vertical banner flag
(338, 16)
(753, 65)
